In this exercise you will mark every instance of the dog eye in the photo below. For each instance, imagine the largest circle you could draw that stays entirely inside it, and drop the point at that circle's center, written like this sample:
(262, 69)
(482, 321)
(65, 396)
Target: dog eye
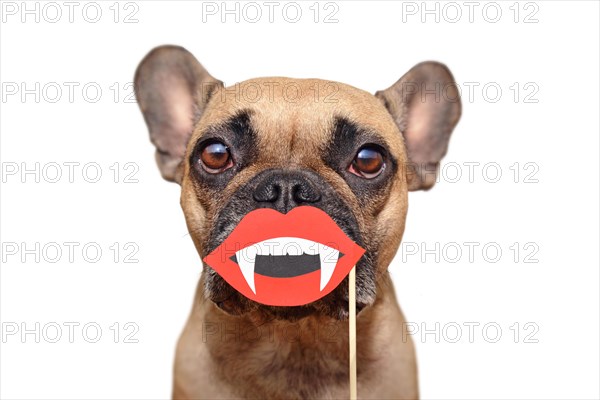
(368, 162)
(215, 157)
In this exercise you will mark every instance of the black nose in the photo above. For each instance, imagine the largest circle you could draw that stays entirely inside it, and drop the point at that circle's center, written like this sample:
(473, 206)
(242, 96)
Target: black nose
(284, 190)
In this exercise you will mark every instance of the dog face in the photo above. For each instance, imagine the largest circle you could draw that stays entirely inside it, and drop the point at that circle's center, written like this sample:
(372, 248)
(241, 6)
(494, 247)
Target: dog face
(282, 143)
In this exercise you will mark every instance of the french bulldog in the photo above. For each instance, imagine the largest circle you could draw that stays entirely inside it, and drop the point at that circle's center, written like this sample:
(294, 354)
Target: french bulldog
(284, 143)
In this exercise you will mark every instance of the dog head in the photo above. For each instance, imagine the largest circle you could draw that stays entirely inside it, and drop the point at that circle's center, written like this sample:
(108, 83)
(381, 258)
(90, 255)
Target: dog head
(282, 143)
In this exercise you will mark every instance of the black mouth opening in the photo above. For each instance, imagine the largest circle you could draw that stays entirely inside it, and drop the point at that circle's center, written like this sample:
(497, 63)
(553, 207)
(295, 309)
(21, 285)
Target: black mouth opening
(285, 266)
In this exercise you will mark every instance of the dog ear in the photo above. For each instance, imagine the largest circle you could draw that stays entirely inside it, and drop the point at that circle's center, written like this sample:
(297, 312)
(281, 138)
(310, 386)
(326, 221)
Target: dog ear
(425, 104)
(172, 89)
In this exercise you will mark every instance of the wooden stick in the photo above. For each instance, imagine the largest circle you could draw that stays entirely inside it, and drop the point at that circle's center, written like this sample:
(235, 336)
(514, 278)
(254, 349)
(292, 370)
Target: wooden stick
(352, 333)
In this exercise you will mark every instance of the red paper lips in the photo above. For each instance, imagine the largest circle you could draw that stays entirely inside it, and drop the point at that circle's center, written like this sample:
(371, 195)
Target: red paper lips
(285, 259)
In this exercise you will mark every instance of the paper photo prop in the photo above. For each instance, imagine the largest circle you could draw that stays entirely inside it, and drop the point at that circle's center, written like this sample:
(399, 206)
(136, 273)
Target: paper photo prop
(285, 259)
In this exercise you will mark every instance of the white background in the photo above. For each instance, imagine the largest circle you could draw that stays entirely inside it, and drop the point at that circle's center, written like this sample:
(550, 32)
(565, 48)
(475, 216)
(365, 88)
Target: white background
(369, 47)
